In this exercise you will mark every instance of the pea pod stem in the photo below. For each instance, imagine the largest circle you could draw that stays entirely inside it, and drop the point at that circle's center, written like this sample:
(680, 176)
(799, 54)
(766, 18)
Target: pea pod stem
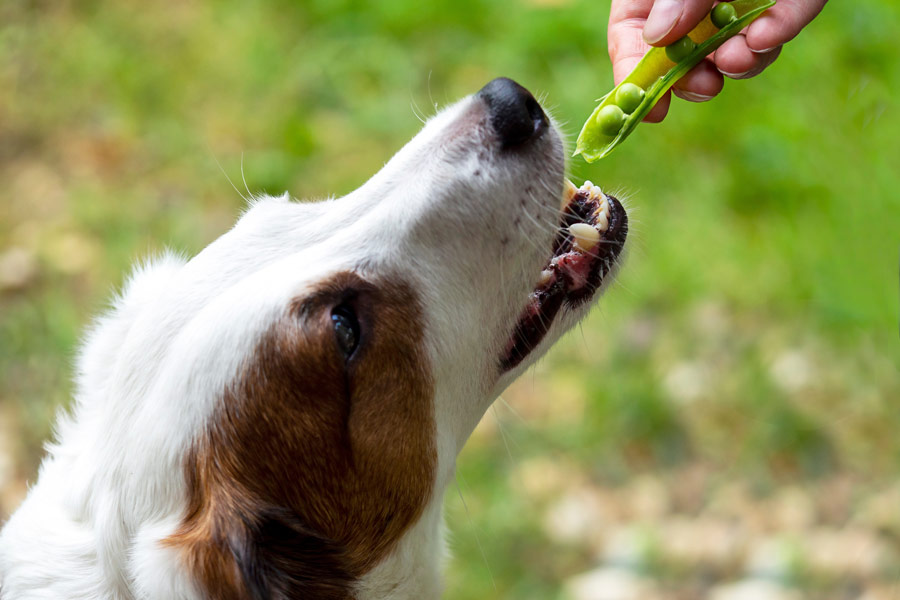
(655, 74)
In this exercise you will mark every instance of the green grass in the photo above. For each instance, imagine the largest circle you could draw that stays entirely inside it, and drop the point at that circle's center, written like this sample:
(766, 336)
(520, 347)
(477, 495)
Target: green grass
(754, 328)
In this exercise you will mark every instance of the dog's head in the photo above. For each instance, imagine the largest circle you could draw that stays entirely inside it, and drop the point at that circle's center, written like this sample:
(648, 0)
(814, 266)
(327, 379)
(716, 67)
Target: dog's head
(313, 373)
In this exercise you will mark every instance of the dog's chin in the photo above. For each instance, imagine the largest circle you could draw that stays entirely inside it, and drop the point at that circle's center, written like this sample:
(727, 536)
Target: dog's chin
(592, 231)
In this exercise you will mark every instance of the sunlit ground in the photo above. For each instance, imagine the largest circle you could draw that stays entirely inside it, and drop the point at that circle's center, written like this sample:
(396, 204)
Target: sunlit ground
(725, 421)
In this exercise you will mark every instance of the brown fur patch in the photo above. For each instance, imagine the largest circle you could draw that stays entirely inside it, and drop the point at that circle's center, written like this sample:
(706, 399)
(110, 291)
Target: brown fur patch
(312, 469)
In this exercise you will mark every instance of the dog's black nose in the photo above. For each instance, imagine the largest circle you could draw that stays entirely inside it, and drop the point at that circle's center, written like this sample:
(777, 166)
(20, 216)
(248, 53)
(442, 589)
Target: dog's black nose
(515, 114)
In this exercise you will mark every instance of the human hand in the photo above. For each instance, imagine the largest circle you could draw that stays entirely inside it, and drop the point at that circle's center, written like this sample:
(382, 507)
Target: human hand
(635, 25)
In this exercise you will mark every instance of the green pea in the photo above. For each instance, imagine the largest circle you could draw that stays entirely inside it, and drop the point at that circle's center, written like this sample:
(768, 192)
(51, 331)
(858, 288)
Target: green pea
(610, 119)
(723, 14)
(680, 50)
(629, 97)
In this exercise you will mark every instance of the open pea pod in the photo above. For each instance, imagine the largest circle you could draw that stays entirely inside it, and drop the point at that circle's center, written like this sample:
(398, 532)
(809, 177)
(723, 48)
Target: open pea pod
(620, 111)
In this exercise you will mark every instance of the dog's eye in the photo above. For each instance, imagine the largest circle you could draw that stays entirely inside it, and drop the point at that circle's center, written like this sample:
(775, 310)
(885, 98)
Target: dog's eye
(346, 328)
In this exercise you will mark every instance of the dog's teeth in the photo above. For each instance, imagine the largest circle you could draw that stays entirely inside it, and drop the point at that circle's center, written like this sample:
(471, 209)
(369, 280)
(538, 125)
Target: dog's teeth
(569, 191)
(603, 221)
(546, 274)
(585, 236)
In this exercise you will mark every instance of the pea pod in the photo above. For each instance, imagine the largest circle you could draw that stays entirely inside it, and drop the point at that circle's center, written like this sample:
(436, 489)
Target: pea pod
(655, 74)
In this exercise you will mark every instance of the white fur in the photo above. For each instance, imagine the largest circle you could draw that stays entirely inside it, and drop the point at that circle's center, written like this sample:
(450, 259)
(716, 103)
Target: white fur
(151, 371)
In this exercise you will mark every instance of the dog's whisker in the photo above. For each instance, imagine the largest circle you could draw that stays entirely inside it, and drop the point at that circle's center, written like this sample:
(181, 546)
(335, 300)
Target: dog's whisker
(230, 182)
(475, 530)
(511, 409)
(434, 105)
(500, 428)
(244, 179)
(414, 106)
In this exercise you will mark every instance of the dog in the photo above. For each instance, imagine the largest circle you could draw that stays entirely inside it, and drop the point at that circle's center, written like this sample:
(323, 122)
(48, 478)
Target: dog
(278, 417)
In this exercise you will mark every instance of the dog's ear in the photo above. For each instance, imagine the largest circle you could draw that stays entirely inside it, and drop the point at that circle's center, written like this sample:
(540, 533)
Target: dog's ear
(279, 558)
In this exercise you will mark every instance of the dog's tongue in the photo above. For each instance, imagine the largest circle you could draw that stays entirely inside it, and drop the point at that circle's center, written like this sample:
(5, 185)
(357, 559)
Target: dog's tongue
(574, 268)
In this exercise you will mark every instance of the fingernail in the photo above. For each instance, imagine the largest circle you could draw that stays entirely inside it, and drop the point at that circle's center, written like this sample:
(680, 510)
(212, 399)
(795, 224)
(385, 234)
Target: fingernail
(762, 51)
(693, 96)
(663, 16)
(733, 75)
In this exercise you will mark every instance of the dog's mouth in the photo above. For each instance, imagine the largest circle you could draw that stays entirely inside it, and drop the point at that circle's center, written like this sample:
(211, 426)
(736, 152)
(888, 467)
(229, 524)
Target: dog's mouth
(593, 228)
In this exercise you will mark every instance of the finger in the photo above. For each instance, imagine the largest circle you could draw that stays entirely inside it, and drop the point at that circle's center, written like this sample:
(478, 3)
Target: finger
(625, 10)
(781, 23)
(702, 83)
(671, 20)
(659, 111)
(735, 59)
(764, 59)
(626, 46)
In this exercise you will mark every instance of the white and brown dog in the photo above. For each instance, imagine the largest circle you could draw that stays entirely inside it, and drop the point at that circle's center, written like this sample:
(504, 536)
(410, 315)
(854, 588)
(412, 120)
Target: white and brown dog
(279, 416)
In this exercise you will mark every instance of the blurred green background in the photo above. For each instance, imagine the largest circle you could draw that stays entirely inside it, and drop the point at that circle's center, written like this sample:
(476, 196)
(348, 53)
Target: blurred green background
(726, 420)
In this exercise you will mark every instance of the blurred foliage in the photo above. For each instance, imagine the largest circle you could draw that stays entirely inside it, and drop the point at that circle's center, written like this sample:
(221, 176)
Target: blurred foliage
(753, 329)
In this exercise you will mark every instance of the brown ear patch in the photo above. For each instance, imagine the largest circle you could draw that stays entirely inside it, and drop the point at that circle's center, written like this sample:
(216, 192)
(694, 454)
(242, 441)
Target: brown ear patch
(312, 469)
